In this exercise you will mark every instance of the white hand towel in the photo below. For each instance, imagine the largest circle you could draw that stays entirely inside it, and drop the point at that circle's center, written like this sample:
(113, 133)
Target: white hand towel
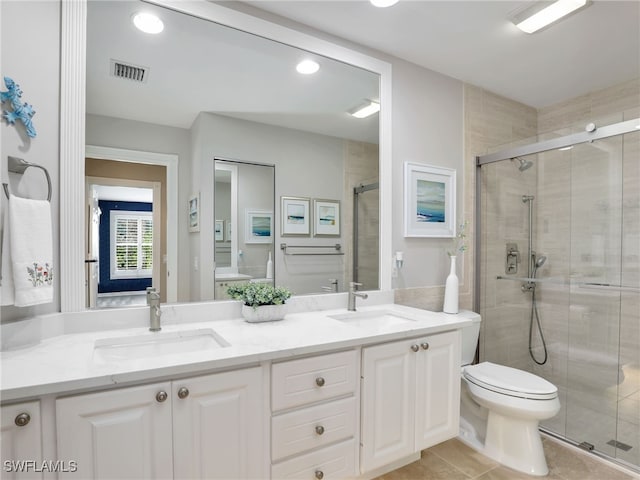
(6, 274)
(30, 233)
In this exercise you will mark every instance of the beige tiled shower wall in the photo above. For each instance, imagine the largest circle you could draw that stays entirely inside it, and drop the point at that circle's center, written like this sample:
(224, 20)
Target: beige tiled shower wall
(492, 121)
(587, 224)
(361, 168)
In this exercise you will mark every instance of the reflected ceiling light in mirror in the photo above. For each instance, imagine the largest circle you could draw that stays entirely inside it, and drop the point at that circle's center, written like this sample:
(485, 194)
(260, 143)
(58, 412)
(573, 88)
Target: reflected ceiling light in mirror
(541, 14)
(147, 22)
(307, 67)
(383, 3)
(366, 110)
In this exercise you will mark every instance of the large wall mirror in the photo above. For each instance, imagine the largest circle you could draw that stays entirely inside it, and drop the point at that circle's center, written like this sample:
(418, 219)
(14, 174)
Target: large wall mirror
(220, 100)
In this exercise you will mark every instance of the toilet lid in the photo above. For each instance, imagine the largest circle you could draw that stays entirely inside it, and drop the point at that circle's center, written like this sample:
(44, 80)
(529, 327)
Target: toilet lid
(510, 381)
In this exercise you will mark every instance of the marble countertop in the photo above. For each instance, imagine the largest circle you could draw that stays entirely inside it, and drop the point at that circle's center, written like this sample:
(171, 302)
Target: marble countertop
(69, 362)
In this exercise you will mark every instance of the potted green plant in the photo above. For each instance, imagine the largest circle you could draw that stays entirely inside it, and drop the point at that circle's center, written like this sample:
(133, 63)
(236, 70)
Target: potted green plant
(261, 302)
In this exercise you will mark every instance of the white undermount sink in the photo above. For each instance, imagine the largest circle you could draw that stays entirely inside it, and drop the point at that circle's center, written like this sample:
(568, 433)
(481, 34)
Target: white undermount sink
(373, 319)
(153, 344)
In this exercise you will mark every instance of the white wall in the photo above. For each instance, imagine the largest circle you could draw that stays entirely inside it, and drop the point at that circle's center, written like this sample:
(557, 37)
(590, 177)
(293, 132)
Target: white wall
(30, 55)
(318, 176)
(148, 137)
(428, 129)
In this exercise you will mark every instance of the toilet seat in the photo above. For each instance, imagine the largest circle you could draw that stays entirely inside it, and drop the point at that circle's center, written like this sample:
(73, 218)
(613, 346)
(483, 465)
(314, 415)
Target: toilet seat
(510, 381)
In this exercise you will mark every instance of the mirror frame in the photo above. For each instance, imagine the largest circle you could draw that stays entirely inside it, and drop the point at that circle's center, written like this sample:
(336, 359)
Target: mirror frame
(72, 127)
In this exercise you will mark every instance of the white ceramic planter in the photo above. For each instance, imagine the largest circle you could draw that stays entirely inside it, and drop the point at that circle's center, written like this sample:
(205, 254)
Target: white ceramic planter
(264, 313)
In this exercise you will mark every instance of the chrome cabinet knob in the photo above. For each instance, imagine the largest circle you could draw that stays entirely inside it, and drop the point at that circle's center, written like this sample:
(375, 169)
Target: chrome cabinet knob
(320, 381)
(319, 474)
(161, 396)
(183, 392)
(319, 429)
(415, 347)
(23, 419)
(424, 345)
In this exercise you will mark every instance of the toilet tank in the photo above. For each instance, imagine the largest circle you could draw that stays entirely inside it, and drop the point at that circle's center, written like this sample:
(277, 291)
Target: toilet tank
(470, 335)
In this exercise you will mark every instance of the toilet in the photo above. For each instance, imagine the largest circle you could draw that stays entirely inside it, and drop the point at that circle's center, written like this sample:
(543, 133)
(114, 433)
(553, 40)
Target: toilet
(501, 408)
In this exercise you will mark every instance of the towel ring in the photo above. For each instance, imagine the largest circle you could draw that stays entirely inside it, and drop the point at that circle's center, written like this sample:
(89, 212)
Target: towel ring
(18, 165)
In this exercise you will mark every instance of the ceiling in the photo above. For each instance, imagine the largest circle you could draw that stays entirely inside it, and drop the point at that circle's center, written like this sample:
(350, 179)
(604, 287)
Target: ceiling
(473, 41)
(198, 66)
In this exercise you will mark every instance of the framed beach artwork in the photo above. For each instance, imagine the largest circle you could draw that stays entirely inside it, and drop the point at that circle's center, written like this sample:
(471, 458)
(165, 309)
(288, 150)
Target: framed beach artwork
(429, 201)
(295, 213)
(194, 213)
(326, 214)
(219, 230)
(259, 226)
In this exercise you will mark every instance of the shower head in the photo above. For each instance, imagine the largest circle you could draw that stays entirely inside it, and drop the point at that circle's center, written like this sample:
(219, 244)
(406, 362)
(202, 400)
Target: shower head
(540, 261)
(523, 164)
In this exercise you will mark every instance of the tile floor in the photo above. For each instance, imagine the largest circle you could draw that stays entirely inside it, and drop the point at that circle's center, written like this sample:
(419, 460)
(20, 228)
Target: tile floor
(453, 460)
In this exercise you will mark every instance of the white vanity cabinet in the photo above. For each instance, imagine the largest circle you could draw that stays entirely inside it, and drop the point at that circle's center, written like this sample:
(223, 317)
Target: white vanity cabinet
(201, 427)
(21, 440)
(315, 417)
(410, 397)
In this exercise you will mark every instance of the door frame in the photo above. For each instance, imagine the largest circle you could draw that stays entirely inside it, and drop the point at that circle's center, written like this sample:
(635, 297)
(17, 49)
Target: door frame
(156, 215)
(170, 162)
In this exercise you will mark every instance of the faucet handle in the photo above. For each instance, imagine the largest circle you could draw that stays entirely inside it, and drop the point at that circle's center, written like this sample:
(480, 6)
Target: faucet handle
(354, 285)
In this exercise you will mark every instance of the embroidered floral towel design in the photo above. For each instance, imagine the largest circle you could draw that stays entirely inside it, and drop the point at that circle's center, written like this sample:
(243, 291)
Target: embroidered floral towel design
(31, 250)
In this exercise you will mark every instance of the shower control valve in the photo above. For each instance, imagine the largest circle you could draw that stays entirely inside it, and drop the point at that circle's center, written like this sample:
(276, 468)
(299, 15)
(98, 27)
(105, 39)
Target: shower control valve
(512, 260)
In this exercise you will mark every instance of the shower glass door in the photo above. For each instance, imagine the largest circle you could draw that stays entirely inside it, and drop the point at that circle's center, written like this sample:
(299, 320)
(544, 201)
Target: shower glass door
(586, 210)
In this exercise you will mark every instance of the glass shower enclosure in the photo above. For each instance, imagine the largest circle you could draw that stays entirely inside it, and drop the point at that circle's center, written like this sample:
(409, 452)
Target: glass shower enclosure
(559, 277)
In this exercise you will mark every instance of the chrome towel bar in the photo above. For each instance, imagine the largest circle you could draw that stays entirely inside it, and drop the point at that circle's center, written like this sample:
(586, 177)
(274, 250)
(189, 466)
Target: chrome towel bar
(18, 165)
(337, 247)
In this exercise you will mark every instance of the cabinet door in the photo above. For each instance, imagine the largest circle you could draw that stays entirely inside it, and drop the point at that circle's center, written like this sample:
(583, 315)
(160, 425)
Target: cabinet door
(21, 440)
(388, 397)
(218, 426)
(438, 389)
(124, 433)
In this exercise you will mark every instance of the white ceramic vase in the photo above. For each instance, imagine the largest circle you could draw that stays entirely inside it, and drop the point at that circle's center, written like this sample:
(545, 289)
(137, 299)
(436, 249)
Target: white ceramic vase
(451, 289)
(264, 313)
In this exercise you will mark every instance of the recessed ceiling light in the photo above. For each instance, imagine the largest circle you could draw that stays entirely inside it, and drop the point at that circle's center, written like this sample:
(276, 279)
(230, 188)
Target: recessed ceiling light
(541, 14)
(307, 67)
(366, 110)
(383, 3)
(147, 22)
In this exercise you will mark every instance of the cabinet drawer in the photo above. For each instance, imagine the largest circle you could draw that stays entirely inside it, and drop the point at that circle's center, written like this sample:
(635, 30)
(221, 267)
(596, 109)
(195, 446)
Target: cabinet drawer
(336, 461)
(313, 427)
(313, 379)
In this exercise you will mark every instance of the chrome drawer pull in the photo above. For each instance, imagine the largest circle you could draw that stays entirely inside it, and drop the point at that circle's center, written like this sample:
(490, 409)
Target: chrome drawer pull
(319, 474)
(23, 419)
(320, 381)
(425, 346)
(319, 429)
(183, 392)
(161, 396)
(415, 347)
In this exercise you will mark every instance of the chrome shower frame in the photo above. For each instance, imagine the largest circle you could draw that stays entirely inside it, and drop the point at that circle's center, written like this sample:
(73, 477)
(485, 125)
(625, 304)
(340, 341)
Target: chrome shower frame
(568, 140)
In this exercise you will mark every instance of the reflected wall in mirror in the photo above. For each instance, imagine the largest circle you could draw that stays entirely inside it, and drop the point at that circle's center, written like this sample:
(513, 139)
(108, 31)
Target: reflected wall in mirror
(241, 190)
(243, 99)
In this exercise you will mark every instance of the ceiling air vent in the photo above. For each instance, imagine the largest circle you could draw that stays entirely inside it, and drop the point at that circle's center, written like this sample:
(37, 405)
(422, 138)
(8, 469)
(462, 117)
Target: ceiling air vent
(129, 71)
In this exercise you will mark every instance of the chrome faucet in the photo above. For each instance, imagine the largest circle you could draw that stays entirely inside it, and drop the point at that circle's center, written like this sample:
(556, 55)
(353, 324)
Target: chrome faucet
(153, 300)
(353, 286)
(332, 287)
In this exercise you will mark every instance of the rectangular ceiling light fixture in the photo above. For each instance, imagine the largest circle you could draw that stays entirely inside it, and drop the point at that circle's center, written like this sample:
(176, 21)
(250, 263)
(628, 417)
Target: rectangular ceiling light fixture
(366, 110)
(542, 14)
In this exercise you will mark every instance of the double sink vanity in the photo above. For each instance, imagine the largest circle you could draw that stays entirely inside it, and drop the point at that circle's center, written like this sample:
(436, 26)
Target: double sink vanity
(324, 393)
